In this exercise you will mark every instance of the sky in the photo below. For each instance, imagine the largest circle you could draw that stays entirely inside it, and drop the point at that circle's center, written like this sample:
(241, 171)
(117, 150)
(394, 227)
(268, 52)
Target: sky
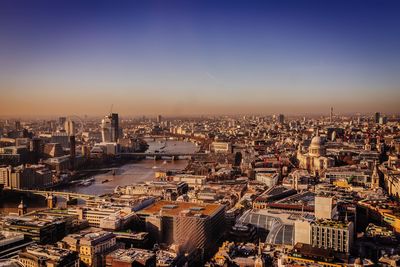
(199, 57)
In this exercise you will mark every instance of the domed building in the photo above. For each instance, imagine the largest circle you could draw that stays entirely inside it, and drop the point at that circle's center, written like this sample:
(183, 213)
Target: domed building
(315, 160)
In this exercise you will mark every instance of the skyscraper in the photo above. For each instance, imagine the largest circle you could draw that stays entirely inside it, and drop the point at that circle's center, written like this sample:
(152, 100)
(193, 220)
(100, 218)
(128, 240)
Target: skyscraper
(114, 127)
(72, 151)
(106, 129)
(331, 116)
(281, 118)
(377, 116)
(69, 127)
(110, 128)
(61, 121)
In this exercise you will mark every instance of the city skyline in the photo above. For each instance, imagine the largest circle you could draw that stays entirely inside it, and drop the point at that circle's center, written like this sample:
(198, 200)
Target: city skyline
(192, 58)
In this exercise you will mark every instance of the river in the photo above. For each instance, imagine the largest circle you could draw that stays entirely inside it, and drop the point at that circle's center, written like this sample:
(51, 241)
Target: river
(139, 171)
(143, 170)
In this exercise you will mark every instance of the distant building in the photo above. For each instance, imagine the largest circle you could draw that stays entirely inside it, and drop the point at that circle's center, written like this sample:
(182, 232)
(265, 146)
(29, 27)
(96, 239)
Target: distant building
(26, 177)
(115, 132)
(383, 120)
(105, 148)
(221, 147)
(281, 118)
(69, 127)
(193, 181)
(377, 117)
(106, 129)
(61, 121)
(53, 150)
(61, 138)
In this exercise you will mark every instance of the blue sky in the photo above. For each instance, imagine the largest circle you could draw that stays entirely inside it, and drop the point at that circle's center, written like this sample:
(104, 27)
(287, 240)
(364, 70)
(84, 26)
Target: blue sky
(199, 57)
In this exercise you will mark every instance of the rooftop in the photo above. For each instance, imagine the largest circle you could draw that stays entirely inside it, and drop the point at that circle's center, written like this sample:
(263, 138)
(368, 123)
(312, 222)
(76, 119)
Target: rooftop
(131, 255)
(171, 208)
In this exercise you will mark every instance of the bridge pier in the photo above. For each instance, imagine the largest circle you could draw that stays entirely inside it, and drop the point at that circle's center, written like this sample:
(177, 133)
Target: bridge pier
(51, 201)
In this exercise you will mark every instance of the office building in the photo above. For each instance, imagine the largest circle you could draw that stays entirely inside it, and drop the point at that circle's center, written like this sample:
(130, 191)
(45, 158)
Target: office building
(48, 256)
(43, 230)
(91, 246)
(330, 234)
(191, 226)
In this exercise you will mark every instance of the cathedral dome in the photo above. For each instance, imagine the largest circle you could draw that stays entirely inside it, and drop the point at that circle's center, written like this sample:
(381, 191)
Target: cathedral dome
(317, 141)
(317, 147)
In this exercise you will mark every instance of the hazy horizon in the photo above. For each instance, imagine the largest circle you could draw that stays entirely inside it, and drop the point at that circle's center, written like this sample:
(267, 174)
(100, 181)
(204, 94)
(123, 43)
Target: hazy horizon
(179, 58)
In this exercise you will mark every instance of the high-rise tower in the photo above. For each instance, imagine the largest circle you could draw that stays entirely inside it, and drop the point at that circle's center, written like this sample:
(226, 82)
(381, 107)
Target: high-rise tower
(69, 127)
(114, 127)
(106, 129)
(110, 128)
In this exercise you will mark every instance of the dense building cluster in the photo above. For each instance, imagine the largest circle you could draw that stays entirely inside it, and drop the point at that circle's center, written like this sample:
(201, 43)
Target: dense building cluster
(258, 191)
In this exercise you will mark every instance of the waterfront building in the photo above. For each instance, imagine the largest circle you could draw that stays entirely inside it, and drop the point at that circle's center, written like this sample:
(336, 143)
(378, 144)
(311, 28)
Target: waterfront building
(26, 176)
(221, 147)
(110, 128)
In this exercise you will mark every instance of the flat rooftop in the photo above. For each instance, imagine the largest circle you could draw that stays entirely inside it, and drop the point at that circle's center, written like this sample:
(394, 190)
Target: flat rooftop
(131, 255)
(172, 208)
